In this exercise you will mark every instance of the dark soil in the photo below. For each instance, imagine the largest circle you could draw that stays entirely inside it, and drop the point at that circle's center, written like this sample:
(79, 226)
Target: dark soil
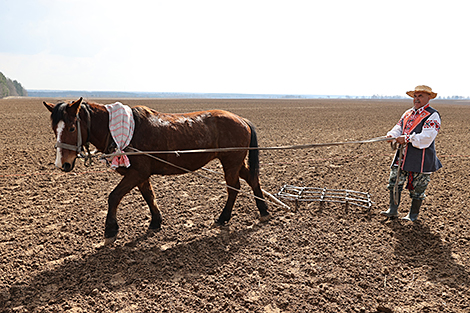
(325, 258)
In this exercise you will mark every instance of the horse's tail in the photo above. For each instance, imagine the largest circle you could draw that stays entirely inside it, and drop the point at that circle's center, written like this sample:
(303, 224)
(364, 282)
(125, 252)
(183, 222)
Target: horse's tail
(253, 155)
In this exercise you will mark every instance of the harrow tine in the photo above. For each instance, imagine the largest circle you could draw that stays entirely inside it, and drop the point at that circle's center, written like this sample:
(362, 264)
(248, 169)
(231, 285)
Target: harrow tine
(310, 194)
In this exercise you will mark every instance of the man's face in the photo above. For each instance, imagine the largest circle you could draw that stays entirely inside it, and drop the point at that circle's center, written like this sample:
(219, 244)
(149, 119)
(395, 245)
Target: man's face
(421, 99)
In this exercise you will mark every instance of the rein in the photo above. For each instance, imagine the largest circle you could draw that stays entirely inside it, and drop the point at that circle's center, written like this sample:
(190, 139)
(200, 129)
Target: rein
(178, 152)
(104, 156)
(396, 193)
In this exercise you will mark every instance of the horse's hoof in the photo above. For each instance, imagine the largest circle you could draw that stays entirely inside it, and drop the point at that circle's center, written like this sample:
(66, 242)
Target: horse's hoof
(265, 218)
(151, 231)
(109, 241)
(156, 222)
(155, 227)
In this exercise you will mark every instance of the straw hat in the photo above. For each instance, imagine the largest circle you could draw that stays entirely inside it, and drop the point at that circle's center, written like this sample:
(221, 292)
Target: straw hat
(422, 88)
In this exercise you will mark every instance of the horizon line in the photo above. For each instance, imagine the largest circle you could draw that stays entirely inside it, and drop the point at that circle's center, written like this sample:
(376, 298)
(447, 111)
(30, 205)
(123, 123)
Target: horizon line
(105, 93)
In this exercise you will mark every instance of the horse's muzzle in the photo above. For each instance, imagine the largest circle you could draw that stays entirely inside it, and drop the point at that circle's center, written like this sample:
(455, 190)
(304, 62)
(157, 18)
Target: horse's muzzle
(67, 167)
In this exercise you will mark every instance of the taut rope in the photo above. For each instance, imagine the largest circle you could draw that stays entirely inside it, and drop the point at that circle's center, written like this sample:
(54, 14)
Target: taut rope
(314, 145)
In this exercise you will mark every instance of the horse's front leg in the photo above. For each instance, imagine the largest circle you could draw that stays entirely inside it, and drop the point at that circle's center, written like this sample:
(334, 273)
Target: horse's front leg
(147, 192)
(129, 181)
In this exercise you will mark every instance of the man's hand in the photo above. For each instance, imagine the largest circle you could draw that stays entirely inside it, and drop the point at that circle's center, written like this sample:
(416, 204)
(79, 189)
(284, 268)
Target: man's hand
(401, 139)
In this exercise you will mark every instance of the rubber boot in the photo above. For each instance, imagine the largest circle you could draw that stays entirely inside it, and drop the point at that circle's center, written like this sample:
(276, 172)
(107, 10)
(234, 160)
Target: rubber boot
(393, 209)
(414, 211)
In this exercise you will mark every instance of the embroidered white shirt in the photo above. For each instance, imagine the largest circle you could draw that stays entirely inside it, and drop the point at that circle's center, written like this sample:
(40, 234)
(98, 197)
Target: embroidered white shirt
(429, 132)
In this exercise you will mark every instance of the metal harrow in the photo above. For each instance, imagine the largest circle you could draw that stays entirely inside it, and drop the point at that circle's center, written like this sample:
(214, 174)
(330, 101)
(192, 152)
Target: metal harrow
(308, 194)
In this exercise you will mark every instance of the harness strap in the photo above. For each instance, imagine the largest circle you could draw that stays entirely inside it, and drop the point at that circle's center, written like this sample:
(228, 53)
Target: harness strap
(82, 149)
(78, 148)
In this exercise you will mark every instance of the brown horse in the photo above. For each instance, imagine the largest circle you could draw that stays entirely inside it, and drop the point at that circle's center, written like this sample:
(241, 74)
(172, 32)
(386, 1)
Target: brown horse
(78, 123)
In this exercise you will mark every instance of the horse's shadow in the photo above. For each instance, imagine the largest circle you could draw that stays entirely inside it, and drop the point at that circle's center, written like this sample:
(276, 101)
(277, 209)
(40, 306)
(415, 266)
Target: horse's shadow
(133, 265)
(417, 247)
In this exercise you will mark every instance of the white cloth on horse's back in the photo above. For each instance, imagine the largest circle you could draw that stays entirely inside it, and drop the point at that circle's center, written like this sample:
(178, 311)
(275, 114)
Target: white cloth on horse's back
(121, 126)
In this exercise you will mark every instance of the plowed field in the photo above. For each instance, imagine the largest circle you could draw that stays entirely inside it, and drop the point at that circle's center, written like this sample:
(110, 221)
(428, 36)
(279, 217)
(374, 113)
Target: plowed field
(325, 258)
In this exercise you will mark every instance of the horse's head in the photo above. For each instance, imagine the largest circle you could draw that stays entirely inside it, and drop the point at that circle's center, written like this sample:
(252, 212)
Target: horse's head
(69, 126)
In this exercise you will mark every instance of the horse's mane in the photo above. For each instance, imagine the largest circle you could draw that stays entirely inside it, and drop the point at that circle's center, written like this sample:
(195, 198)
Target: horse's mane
(57, 114)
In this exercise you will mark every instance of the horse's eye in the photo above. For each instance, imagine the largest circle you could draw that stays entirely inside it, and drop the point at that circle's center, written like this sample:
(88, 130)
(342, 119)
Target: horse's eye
(72, 129)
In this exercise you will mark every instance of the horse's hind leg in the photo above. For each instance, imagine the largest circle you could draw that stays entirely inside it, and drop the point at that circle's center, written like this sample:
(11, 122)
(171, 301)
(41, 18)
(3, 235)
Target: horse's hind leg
(147, 192)
(253, 181)
(231, 178)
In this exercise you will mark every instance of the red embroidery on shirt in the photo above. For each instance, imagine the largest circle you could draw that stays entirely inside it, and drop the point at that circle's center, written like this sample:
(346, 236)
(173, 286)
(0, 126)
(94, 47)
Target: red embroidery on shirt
(432, 124)
(412, 119)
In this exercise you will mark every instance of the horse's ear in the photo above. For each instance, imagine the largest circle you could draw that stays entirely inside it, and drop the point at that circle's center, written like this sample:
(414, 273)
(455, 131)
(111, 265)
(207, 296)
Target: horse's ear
(75, 106)
(49, 106)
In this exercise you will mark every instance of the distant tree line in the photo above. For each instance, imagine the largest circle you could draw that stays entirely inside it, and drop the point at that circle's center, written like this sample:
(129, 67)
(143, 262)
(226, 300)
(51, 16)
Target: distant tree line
(405, 97)
(10, 87)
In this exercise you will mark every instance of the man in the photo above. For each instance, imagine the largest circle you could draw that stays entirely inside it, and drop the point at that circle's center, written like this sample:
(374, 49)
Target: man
(415, 132)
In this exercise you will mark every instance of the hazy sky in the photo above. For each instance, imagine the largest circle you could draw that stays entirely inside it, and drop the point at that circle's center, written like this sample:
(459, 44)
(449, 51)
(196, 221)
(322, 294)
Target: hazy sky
(295, 47)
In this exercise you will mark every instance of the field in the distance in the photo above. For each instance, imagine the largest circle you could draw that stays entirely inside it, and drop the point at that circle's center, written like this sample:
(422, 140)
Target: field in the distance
(312, 260)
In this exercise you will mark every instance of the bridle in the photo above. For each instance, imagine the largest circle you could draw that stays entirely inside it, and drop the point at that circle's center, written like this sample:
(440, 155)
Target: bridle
(82, 149)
